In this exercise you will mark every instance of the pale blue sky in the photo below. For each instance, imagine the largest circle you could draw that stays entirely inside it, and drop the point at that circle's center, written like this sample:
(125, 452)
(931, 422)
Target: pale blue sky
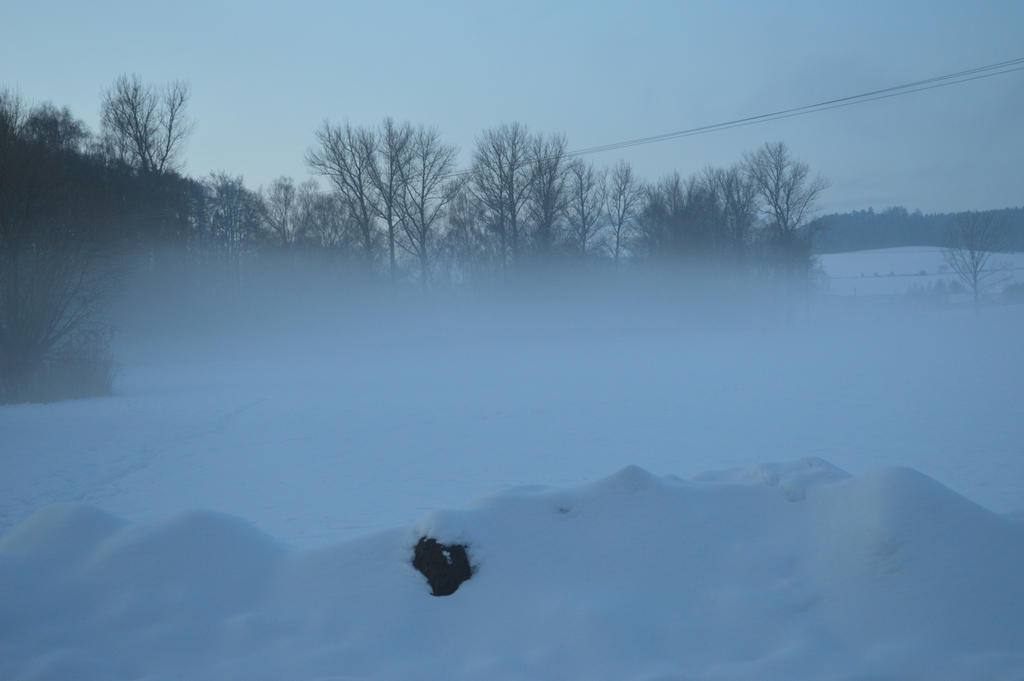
(264, 75)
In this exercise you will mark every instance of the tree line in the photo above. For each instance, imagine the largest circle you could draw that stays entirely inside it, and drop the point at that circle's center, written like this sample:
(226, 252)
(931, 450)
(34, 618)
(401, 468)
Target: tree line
(527, 200)
(896, 226)
(78, 209)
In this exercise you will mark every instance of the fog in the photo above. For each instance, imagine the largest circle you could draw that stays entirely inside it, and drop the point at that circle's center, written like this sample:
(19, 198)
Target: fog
(319, 409)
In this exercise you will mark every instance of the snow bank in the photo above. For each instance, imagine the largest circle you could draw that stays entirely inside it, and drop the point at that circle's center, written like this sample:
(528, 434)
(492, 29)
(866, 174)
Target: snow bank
(776, 571)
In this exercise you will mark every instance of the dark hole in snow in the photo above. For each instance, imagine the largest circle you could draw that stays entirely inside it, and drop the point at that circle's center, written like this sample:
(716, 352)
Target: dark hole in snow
(444, 565)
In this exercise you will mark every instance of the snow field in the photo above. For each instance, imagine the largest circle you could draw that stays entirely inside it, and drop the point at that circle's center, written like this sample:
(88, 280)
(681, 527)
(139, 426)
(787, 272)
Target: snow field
(895, 271)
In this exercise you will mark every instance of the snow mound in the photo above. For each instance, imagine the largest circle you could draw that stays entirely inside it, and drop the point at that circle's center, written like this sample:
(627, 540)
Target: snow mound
(635, 576)
(200, 561)
(59, 533)
(793, 479)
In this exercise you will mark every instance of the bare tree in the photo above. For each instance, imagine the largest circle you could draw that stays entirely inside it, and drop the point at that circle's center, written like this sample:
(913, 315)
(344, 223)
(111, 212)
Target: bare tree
(679, 218)
(387, 172)
(282, 212)
(56, 129)
(664, 204)
(585, 208)
(57, 257)
(346, 156)
(547, 196)
(17, 172)
(788, 195)
(145, 126)
(501, 179)
(625, 195)
(785, 186)
(736, 195)
(234, 217)
(324, 218)
(429, 188)
(974, 238)
(467, 246)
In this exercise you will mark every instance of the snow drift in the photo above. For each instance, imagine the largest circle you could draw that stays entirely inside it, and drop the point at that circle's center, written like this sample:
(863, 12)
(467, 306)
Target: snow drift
(776, 571)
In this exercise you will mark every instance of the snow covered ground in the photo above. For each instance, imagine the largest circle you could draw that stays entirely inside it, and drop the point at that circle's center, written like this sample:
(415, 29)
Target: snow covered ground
(896, 271)
(773, 571)
(245, 506)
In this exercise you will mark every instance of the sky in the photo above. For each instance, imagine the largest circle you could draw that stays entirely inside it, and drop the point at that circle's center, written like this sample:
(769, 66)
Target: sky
(264, 76)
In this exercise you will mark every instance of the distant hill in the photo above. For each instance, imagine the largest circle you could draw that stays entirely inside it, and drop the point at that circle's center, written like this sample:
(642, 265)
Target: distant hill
(865, 229)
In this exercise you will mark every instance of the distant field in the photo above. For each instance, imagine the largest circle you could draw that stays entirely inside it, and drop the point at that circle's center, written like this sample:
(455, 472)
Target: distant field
(895, 271)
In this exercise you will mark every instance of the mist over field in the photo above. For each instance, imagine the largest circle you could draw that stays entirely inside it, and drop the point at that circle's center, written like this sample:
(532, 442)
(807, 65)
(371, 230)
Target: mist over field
(320, 410)
(704, 458)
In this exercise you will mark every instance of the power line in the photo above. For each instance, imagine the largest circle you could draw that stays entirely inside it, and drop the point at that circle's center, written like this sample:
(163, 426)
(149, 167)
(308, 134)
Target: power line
(874, 95)
(945, 80)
